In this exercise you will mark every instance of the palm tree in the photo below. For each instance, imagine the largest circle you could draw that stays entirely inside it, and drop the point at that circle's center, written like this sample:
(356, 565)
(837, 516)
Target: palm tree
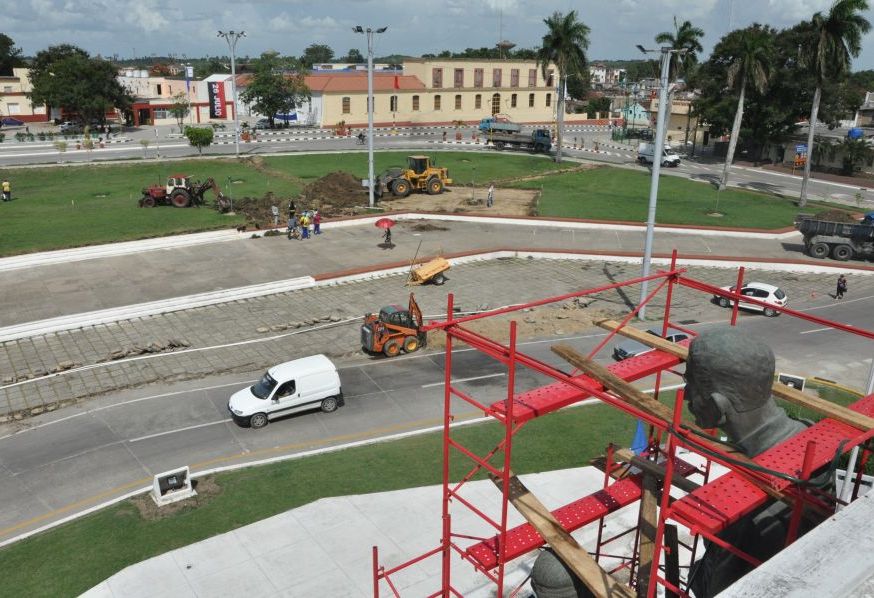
(750, 66)
(685, 39)
(835, 39)
(564, 45)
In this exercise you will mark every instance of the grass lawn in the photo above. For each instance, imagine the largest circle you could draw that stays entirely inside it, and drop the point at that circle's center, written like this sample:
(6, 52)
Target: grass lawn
(620, 194)
(70, 206)
(72, 558)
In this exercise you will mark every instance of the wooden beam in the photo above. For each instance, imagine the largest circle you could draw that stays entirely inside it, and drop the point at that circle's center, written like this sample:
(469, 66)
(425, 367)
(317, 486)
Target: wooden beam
(571, 553)
(787, 393)
(656, 469)
(649, 519)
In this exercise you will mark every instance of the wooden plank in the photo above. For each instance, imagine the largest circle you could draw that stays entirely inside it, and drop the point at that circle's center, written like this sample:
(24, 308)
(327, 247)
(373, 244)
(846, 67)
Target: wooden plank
(787, 393)
(647, 528)
(672, 559)
(656, 469)
(564, 545)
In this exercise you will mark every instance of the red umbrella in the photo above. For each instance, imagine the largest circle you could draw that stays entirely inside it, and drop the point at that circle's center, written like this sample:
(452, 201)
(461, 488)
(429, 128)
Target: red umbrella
(384, 223)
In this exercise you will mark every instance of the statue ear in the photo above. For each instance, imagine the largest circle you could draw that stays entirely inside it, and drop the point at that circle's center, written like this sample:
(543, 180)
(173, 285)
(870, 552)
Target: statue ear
(722, 404)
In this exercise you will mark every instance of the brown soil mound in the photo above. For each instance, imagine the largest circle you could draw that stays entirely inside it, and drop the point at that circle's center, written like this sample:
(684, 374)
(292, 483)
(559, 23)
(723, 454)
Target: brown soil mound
(335, 194)
(835, 215)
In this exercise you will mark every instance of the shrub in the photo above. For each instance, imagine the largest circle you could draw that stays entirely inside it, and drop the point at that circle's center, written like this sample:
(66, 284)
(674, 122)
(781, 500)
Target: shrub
(20, 136)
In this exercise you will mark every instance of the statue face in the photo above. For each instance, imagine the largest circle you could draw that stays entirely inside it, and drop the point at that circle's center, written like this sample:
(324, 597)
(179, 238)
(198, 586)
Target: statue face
(700, 400)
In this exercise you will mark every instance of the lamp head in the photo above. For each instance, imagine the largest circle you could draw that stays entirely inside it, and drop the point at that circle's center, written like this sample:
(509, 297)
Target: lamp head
(358, 29)
(641, 48)
(381, 29)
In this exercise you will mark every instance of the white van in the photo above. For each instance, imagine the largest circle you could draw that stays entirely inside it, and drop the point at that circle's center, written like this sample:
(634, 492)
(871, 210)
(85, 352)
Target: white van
(645, 152)
(299, 385)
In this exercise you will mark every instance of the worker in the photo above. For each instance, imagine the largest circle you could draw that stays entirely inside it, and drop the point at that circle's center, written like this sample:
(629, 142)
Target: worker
(387, 237)
(490, 198)
(317, 222)
(304, 226)
(274, 209)
(7, 190)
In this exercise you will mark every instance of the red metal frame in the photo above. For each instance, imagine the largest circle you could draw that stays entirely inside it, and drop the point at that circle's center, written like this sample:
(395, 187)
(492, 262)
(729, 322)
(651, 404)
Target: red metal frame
(705, 512)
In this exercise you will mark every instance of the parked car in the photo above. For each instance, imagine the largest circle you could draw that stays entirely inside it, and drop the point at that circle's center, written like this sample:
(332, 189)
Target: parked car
(262, 123)
(70, 127)
(299, 385)
(632, 348)
(767, 293)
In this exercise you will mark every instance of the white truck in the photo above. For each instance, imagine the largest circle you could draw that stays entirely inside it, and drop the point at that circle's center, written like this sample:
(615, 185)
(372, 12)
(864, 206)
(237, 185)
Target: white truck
(646, 151)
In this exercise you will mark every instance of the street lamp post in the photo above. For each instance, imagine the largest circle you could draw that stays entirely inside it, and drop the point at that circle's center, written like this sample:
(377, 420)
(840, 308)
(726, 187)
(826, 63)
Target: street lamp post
(369, 32)
(231, 37)
(658, 150)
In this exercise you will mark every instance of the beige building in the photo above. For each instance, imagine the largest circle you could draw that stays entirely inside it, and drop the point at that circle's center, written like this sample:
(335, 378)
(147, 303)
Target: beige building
(437, 92)
(678, 122)
(14, 101)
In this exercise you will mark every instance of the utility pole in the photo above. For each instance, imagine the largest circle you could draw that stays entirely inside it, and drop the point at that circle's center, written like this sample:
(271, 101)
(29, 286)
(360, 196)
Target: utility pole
(369, 33)
(231, 37)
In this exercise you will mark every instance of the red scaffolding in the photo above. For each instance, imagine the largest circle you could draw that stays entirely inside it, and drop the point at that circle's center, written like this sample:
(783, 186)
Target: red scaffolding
(705, 511)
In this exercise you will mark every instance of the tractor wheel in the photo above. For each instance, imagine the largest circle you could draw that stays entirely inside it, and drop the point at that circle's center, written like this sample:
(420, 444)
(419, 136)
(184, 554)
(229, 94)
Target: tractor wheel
(391, 348)
(180, 198)
(400, 187)
(411, 343)
(434, 186)
(147, 201)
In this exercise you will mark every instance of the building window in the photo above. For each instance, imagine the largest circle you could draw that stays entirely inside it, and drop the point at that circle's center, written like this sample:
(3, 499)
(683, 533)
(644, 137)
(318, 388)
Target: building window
(347, 105)
(531, 100)
(436, 77)
(496, 77)
(458, 101)
(393, 104)
(513, 101)
(514, 77)
(459, 77)
(415, 103)
(548, 100)
(549, 81)
(532, 77)
(477, 77)
(436, 102)
(13, 108)
(7, 89)
(478, 101)
(496, 103)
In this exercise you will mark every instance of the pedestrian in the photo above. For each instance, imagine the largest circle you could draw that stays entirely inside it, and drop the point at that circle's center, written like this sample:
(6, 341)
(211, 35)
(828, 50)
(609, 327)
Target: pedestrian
(311, 225)
(490, 198)
(841, 287)
(387, 237)
(292, 210)
(291, 229)
(304, 226)
(274, 209)
(444, 135)
(317, 222)
(7, 190)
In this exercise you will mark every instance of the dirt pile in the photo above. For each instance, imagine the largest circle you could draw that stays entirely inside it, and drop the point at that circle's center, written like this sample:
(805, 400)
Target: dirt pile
(335, 194)
(258, 210)
(836, 215)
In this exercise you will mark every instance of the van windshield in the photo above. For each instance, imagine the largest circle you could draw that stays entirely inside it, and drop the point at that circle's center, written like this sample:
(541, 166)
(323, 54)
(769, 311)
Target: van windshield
(264, 386)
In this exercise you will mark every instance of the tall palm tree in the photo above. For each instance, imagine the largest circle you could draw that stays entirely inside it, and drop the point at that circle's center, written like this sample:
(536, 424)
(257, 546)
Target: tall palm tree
(749, 67)
(836, 38)
(685, 38)
(564, 45)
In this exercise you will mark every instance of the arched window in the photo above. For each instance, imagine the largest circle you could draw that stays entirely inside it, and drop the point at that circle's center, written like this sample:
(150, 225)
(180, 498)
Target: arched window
(496, 103)
(478, 101)
(393, 104)
(437, 102)
(458, 101)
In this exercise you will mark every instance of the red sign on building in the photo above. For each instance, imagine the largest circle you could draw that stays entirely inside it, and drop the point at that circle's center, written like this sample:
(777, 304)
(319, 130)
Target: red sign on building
(217, 99)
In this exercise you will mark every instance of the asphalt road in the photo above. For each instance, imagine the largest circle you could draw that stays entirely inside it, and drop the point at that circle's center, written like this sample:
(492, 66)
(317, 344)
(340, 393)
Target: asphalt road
(69, 460)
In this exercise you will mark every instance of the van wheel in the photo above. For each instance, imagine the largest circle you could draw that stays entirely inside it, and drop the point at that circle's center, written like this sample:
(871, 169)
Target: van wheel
(259, 420)
(770, 312)
(411, 343)
(724, 302)
(329, 404)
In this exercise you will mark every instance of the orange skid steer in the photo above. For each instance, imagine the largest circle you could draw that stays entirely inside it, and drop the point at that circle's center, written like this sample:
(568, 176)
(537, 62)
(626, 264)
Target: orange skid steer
(393, 329)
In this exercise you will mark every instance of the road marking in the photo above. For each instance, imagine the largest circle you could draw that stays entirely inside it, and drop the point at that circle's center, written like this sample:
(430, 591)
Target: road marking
(815, 330)
(433, 384)
(185, 429)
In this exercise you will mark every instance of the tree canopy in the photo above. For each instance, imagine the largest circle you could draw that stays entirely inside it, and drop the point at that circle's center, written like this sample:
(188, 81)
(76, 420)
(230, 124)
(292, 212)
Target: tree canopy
(354, 56)
(315, 53)
(685, 39)
(199, 137)
(274, 88)
(10, 55)
(67, 77)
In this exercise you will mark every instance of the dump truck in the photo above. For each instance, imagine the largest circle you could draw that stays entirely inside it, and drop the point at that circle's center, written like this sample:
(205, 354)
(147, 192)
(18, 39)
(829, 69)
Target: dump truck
(538, 140)
(419, 175)
(840, 240)
(394, 329)
(498, 123)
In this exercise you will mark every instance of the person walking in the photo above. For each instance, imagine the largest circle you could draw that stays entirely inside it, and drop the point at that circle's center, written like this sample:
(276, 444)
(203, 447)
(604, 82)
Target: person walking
(274, 209)
(490, 198)
(7, 190)
(841, 287)
(387, 237)
(292, 209)
(317, 222)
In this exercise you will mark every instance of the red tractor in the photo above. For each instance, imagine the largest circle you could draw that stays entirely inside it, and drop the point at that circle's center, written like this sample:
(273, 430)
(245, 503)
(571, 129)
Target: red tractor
(181, 192)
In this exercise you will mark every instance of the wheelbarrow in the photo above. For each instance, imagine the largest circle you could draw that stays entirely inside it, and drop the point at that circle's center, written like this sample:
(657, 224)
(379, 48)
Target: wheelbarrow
(429, 272)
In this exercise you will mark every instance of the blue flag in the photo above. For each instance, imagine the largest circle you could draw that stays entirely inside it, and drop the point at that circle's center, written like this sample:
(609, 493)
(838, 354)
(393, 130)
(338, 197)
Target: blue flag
(640, 442)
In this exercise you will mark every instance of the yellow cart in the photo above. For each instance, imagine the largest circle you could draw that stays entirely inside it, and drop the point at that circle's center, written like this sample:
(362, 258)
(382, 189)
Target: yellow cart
(429, 272)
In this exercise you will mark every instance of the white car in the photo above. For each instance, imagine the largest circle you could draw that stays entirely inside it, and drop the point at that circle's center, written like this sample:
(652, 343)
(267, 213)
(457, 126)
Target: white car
(299, 385)
(761, 291)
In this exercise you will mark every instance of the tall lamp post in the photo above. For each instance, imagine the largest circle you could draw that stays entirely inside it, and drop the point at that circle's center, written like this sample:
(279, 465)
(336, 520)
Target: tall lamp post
(658, 150)
(231, 37)
(369, 32)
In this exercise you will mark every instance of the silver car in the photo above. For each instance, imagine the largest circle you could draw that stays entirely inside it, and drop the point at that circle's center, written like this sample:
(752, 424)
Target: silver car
(632, 348)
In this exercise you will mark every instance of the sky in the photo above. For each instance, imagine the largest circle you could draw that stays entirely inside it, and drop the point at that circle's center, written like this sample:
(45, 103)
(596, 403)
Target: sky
(187, 28)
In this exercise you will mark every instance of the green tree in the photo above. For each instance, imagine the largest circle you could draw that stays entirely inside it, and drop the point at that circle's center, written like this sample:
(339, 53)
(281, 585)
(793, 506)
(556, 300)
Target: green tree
(272, 90)
(180, 107)
(316, 53)
(67, 77)
(199, 137)
(564, 45)
(598, 105)
(10, 56)
(685, 39)
(354, 56)
(751, 65)
(854, 153)
(836, 38)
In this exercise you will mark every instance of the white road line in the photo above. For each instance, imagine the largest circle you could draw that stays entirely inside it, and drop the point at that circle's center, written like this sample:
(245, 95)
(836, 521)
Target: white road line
(464, 380)
(815, 330)
(221, 421)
